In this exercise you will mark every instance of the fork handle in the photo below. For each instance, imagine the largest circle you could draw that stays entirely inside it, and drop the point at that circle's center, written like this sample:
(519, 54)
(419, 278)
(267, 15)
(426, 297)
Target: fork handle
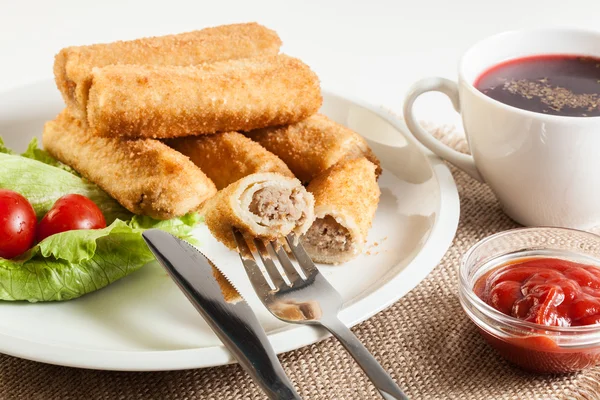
(380, 378)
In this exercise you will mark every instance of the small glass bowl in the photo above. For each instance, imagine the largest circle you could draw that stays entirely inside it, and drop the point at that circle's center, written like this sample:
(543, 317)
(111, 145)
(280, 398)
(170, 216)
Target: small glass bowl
(535, 347)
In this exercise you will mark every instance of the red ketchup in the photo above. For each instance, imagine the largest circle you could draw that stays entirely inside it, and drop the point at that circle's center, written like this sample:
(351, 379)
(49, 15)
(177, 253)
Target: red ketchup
(545, 291)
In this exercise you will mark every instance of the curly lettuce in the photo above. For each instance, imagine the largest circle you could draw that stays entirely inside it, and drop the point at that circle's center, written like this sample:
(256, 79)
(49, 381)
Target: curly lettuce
(70, 264)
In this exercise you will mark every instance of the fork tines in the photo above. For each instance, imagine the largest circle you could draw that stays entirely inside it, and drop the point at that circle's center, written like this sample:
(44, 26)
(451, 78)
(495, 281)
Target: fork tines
(280, 276)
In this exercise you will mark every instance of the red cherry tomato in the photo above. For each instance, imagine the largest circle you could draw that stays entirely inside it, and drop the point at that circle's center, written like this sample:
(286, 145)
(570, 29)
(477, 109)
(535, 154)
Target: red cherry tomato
(70, 212)
(17, 224)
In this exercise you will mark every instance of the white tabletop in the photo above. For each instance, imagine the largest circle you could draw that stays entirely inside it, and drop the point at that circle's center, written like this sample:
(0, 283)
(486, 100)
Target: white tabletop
(373, 49)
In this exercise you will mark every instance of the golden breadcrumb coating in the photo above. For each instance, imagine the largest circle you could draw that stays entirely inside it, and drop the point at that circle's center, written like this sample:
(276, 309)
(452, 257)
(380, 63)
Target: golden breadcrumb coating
(347, 192)
(167, 101)
(145, 176)
(73, 65)
(311, 146)
(232, 207)
(229, 156)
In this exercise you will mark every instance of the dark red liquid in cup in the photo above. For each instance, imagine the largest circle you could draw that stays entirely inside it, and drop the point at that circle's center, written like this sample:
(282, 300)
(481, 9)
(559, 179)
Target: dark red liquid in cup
(565, 85)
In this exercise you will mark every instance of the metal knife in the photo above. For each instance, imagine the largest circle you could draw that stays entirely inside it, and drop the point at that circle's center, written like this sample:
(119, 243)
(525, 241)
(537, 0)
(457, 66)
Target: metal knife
(230, 317)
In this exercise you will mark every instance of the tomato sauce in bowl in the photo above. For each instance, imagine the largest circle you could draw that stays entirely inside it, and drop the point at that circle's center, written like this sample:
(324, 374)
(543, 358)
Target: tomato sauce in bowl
(534, 295)
(546, 291)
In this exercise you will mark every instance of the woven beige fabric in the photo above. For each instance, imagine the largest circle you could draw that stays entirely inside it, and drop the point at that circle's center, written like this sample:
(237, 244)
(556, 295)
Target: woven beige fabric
(425, 340)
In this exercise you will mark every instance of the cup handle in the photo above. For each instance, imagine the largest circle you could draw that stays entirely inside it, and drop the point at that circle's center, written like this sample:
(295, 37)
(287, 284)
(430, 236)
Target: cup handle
(450, 89)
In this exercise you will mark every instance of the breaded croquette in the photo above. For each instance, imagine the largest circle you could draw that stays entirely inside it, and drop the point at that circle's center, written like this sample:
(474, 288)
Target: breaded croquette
(346, 198)
(73, 65)
(145, 176)
(229, 156)
(312, 146)
(266, 205)
(234, 95)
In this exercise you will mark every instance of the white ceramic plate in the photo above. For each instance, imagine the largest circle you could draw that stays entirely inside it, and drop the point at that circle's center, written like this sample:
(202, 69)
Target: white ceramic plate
(143, 322)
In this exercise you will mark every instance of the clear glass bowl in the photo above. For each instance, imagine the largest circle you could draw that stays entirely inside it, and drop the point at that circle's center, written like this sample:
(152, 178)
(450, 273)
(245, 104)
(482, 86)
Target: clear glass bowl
(539, 348)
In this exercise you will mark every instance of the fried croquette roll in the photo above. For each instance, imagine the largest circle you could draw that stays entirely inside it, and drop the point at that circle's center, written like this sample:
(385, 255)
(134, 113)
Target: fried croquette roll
(167, 102)
(73, 65)
(228, 157)
(346, 197)
(265, 205)
(146, 177)
(311, 146)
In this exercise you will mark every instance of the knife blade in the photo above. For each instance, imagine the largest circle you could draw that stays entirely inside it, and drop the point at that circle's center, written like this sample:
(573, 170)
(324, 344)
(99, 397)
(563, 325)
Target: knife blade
(225, 311)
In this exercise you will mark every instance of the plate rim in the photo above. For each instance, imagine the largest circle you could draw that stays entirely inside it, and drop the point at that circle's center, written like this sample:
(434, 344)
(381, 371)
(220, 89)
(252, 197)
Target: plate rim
(435, 247)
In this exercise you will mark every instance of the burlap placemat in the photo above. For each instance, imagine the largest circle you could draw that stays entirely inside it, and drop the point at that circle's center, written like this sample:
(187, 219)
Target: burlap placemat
(425, 340)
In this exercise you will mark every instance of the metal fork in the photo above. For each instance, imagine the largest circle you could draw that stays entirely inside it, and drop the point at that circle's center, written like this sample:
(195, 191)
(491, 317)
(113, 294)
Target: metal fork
(307, 299)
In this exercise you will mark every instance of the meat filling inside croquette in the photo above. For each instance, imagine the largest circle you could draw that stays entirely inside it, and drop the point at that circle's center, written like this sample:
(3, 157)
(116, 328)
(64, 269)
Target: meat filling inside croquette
(278, 205)
(329, 236)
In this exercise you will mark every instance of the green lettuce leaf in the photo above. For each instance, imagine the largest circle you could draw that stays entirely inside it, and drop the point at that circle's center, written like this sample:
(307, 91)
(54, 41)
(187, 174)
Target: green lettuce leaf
(4, 149)
(42, 184)
(70, 264)
(35, 153)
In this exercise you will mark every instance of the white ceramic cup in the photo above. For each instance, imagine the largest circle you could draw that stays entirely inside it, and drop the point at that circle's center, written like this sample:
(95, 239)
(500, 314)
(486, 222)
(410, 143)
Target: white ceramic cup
(544, 169)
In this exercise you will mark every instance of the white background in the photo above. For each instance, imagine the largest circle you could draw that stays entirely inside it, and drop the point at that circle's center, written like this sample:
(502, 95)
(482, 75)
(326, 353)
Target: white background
(372, 49)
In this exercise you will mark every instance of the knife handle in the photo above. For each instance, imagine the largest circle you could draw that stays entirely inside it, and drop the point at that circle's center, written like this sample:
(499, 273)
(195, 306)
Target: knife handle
(254, 353)
(233, 322)
(270, 377)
